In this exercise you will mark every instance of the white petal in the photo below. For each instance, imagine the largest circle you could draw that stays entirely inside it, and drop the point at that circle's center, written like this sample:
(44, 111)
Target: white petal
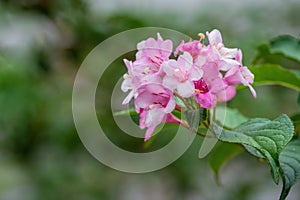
(196, 74)
(186, 89)
(214, 37)
(170, 82)
(128, 98)
(169, 67)
(170, 106)
(186, 60)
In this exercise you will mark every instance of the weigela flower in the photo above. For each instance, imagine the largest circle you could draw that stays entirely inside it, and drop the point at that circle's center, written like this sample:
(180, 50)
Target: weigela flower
(152, 53)
(135, 78)
(192, 47)
(220, 54)
(180, 75)
(206, 73)
(240, 75)
(212, 87)
(154, 103)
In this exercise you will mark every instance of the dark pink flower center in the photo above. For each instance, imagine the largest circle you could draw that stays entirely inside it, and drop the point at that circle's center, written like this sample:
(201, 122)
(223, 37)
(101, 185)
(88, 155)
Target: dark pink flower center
(200, 86)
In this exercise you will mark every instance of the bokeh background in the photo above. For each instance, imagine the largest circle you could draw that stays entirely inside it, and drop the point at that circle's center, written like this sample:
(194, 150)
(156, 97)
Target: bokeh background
(42, 45)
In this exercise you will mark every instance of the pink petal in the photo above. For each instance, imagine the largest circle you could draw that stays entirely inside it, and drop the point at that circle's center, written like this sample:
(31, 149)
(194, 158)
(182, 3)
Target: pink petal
(252, 91)
(239, 56)
(233, 76)
(172, 119)
(227, 94)
(217, 85)
(206, 100)
(149, 133)
(142, 119)
(210, 72)
(179, 48)
(166, 48)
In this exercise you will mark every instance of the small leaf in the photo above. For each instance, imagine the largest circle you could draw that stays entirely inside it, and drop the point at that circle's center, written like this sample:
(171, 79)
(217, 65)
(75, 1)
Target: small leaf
(221, 154)
(282, 47)
(287, 46)
(266, 136)
(269, 74)
(230, 116)
(289, 160)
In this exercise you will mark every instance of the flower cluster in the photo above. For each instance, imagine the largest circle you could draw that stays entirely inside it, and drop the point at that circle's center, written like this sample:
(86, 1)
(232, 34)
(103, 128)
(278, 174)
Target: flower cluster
(206, 72)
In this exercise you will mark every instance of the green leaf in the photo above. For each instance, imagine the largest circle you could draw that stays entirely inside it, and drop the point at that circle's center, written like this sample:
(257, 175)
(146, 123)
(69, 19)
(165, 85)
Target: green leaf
(287, 46)
(298, 100)
(222, 153)
(269, 74)
(266, 136)
(289, 160)
(231, 117)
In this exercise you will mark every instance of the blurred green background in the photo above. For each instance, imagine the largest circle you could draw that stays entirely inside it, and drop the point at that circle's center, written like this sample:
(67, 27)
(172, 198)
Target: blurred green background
(42, 45)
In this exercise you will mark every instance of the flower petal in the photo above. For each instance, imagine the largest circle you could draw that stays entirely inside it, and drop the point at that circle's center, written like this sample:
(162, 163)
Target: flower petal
(186, 89)
(170, 106)
(149, 133)
(128, 98)
(196, 74)
(170, 82)
(169, 67)
(206, 100)
(252, 91)
(227, 94)
(214, 37)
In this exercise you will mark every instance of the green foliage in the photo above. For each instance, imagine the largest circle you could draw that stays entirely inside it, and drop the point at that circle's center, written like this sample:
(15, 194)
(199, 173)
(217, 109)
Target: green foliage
(298, 100)
(266, 136)
(285, 45)
(269, 74)
(290, 166)
(232, 117)
(221, 154)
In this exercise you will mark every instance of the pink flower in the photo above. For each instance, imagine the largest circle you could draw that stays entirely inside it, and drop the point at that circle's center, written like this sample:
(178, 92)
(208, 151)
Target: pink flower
(180, 75)
(130, 82)
(154, 103)
(135, 78)
(212, 88)
(152, 53)
(240, 75)
(220, 54)
(207, 72)
(192, 47)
